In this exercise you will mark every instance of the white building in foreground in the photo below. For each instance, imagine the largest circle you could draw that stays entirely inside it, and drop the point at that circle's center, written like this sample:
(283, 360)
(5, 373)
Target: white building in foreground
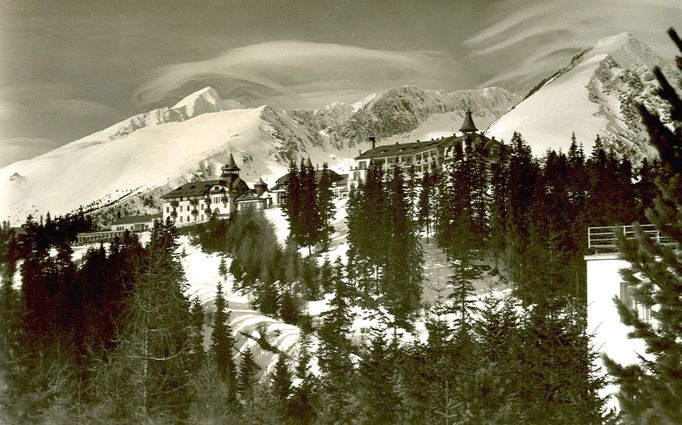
(604, 283)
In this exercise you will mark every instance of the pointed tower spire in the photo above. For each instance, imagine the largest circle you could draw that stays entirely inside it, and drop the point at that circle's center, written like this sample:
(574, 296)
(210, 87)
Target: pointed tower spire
(308, 163)
(230, 169)
(231, 164)
(468, 125)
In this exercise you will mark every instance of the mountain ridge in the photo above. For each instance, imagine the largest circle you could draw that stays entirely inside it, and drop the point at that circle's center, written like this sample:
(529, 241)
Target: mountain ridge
(596, 93)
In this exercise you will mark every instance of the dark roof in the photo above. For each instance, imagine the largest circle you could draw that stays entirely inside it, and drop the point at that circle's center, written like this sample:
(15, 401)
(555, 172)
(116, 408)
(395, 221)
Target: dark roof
(418, 147)
(203, 187)
(260, 182)
(468, 124)
(343, 181)
(249, 196)
(399, 149)
(132, 219)
(284, 180)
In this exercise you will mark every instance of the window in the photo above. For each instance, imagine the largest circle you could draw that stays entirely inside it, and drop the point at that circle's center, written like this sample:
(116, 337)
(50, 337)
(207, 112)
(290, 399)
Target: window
(643, 312)
(180, 219)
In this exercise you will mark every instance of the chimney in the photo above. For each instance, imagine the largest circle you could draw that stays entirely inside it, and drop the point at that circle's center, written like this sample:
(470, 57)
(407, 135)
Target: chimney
(373, 140)
(359, 152)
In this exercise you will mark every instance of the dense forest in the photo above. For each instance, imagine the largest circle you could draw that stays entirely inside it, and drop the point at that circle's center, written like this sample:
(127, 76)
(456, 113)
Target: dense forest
(112, 337)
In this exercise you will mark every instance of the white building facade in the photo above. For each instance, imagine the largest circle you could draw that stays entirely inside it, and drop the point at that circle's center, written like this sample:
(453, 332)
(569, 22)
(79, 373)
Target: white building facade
(604, 285)
(196, 202)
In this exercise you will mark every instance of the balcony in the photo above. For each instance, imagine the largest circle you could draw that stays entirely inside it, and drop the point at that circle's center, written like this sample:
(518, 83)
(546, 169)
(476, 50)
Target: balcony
(604, 239)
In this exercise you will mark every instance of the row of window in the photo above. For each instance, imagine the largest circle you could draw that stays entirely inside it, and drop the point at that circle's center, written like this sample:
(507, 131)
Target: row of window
(200, 206)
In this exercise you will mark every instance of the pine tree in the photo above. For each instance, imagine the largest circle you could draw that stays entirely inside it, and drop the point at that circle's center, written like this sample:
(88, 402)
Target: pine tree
(403, 272)
(303, 398)
(499, 210)
(292, 206)
(154, 349)
(326, 208)
(222, 344)
(310, 227)
(377, 395)
(248, 370)
(335, 350)
(289, 310)
(425, 202)
(463, 272)
(651, 391)
(198, 353)
(282, 386)
(326, 276)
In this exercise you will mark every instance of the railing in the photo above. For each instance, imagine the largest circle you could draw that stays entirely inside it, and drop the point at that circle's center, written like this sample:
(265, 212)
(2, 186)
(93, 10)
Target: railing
(605, 238)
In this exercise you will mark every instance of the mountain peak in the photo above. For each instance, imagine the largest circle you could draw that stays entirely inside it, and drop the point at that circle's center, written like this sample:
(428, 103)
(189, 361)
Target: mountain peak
(627, 51)
(204, 101)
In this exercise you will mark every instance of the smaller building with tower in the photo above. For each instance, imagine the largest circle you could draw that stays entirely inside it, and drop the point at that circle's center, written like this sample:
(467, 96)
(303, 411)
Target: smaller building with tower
(197, 202)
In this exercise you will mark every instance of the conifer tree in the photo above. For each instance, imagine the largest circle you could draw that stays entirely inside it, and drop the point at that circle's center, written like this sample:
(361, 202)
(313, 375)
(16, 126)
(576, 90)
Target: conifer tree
(463, 272)
(326, 276)
(309, 232)
(403, 272)
(499, 209)
(303, 398)
(248, 370)
(289, 310)
(424, 205)
(198, 353)
(282, 387)
(651, 391)
(335, 350)
(377, 395)
(222, 344)
(155, 351)
(292, 206)
(326, 208)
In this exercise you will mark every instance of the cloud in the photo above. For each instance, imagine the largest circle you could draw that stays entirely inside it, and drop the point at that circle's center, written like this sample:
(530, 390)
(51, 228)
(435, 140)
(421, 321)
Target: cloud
(15, 149)
(79, 107)
(295, 69)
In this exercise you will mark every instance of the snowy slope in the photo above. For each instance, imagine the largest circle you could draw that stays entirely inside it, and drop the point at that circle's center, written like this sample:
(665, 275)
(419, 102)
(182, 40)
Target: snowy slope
(594, 94)
(159, 149)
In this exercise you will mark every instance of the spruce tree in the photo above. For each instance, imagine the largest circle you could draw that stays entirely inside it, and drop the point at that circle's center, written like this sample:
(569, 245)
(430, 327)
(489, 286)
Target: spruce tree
(154, 349)
(292, 206)
(403, 272)
(309, 233)
(651, 391)
(424, 205)
(248, 370)
(282, 387)
(334, 353)
(326, 208)
(378, 399)
(198, 353)
(222, 344)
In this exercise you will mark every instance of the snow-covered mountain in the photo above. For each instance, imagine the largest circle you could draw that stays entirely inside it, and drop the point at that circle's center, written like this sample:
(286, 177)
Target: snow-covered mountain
(157, 151)
(596, 93)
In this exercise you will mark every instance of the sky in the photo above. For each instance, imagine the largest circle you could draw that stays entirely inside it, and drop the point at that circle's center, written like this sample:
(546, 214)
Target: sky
(72, 67)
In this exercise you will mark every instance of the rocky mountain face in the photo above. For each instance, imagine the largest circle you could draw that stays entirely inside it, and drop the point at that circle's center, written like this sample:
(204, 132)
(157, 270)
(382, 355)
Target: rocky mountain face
(595, 94)
(402, 110)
